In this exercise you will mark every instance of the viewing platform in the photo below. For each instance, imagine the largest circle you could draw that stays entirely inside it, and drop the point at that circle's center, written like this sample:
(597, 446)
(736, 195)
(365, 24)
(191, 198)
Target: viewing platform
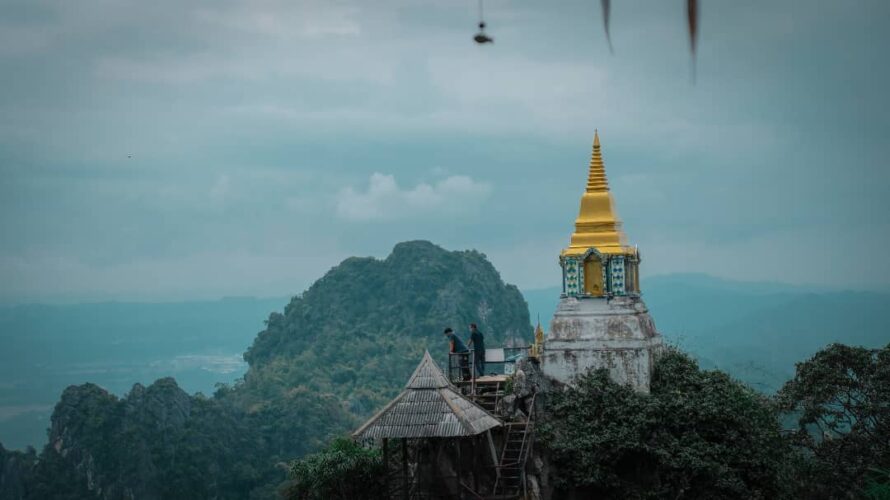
(487, 388)
(439, 440)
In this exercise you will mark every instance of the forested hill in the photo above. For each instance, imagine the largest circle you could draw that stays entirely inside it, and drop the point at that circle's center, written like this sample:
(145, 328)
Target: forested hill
(359, 330)
(335, 354)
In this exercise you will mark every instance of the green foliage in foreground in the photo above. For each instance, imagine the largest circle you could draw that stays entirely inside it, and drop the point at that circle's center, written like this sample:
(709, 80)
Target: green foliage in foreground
(344, 471)
(699, 434)
(842, 397)
(877, 486)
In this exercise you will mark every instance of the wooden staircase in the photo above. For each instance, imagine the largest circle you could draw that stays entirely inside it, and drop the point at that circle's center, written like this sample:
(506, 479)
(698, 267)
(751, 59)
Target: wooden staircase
(510, 482)
(488, 394)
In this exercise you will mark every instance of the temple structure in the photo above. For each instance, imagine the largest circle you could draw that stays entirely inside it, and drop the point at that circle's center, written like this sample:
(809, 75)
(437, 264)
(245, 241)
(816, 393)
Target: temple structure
(601, 320)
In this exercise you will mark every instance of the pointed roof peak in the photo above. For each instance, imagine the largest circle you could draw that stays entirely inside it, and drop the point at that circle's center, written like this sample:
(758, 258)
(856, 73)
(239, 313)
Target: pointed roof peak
(596, 137)
(429, 407)
(427, 375)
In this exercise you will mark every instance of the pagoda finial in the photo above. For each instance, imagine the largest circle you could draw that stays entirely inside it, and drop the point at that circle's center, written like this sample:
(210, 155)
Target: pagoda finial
(597, 225)
(596, 179)
(538, 346)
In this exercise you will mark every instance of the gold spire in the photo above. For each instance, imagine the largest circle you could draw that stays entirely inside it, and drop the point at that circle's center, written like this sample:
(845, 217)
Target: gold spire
(597, 225)
(596, 179)
(535, 350)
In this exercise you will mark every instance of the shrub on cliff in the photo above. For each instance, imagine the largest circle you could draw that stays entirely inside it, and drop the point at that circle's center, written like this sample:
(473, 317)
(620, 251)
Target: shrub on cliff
(698, 434)
(343, 471)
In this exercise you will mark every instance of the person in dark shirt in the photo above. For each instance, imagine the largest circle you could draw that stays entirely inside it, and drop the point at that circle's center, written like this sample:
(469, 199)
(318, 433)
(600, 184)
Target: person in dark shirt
(477, 342)
(458, 347)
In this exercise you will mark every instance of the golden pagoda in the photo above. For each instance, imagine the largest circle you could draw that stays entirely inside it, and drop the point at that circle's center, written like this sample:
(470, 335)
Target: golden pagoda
(601, 321)
(598, 261)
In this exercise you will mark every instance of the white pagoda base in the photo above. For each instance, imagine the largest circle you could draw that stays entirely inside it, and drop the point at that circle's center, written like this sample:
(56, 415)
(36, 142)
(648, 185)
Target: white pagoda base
(617, 334)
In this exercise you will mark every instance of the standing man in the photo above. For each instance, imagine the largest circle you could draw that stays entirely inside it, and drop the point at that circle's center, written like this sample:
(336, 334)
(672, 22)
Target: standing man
(477, 342)
(458, 347)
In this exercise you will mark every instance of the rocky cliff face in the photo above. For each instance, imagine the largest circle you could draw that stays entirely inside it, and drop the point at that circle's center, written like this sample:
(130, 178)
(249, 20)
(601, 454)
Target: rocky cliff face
(156, 443)
(16, 473)
(104, 439)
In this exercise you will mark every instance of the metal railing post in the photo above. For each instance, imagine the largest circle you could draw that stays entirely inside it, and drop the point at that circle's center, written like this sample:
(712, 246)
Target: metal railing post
(473, 373)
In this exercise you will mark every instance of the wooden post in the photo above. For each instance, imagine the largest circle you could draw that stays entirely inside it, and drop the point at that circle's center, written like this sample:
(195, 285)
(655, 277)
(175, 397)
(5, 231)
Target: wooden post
(457, 468)
(386, 483)
(405, 466)
(494, 453)
(475, 441)
(473, 372)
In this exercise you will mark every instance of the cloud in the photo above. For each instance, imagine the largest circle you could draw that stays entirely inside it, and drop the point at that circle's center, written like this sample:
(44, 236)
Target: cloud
(385, 200)
(252, 44)
(204, 274)
(249, 118)
(287, 20)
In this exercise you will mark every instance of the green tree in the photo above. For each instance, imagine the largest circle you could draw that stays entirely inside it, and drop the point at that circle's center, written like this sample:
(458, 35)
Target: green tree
(698, 434)
(344, 470)
(842, 399)
(877, 486)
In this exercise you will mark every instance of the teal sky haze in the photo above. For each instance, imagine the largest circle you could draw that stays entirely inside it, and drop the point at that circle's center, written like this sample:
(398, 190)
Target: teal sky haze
(171, 150)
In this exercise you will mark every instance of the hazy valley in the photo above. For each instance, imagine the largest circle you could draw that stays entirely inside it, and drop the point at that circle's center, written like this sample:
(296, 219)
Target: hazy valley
(755, 331)
(45, 348)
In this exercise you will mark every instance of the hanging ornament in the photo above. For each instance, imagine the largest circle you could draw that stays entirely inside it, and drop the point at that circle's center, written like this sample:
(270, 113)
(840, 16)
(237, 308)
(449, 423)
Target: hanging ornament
(482, 38)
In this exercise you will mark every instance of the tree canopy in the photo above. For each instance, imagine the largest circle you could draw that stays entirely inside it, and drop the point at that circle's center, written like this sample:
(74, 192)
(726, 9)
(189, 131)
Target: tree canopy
(841, 397)
(344, 470)
(698, 434)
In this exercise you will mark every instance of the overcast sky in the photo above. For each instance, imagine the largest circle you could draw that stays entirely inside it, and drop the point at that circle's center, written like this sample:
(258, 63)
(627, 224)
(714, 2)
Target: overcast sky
(272, 139)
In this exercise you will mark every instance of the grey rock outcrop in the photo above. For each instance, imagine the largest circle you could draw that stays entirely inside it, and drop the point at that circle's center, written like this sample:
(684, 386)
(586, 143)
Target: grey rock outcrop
(16, 469)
